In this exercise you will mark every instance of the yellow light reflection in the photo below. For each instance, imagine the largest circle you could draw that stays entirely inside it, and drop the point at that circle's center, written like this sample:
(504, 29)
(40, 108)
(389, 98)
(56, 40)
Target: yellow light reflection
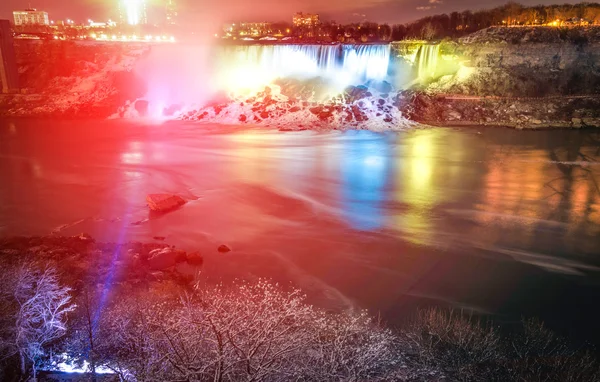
(416, 187)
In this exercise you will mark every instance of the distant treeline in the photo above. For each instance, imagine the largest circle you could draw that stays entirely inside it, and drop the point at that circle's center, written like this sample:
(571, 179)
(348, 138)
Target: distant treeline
(453, 25)
(458, 24)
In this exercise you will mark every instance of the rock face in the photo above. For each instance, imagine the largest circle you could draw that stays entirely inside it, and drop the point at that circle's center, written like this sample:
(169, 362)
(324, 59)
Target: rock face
(548, 67)
(298, 104)
(164, 202)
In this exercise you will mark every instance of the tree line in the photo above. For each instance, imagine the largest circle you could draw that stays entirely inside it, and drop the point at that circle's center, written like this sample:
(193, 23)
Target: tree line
(453, 25)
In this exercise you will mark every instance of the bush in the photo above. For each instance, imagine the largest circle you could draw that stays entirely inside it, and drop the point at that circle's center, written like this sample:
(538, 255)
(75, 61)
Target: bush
(246, 332)
(538, 354)
(467, 350)
(454, 343)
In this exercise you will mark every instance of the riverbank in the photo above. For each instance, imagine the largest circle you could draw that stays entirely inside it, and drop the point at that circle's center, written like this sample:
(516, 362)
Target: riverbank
(131, 317)
(568, 112)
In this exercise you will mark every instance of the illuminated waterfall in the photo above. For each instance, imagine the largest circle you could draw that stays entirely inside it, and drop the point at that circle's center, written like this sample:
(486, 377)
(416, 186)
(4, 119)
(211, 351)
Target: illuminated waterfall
(427, 60)
(248, 67)
(367, 62)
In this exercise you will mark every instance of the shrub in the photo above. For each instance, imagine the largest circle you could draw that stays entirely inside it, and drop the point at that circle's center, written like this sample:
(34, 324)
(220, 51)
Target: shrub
(464, 348)
(246, 332)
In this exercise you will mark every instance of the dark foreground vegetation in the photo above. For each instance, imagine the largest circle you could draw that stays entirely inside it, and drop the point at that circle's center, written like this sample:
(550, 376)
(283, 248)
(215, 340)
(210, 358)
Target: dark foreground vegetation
(116, 306)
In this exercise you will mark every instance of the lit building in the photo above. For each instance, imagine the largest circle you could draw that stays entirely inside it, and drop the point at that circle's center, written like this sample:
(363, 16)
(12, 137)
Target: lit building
(171, 12)
(31, 17)
(133, 12)
(247, 29)
(305, 20)
(256, 29)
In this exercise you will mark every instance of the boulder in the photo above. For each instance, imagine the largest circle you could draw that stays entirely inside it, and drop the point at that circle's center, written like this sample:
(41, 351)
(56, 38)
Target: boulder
(85, 237)
(454, 115)
(223, 248)
(194, 258)
(325, 115)
(316, 110)
(164, 202)
(382, 86)
(166, 257)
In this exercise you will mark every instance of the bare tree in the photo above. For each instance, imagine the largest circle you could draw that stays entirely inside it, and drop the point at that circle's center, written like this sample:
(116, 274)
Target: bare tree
(428, 32)
(248, 332)
(43, 305)
(84, 336)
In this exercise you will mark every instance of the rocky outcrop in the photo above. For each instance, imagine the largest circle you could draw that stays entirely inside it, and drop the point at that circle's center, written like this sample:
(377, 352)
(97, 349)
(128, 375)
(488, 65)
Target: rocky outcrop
(297, 104)
(223, 249)
(164, 202)
(164, 258)
(520, 113)
(521, 62)
(83, 260)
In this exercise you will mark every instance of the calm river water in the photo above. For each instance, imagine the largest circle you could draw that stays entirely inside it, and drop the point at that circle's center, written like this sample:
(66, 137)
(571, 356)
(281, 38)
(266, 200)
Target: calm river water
(498, 221)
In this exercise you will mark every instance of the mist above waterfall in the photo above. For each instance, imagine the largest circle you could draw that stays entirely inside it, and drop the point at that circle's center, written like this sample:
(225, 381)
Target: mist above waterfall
(184, 78)
(186, 74)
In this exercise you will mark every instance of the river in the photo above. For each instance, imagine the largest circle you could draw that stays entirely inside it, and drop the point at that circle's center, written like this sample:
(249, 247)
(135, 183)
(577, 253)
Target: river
(495, 221)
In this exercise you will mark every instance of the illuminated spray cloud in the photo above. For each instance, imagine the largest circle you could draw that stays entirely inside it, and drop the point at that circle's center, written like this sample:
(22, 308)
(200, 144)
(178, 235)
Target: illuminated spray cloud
(133, 12)
(278, 84)
(191, 75)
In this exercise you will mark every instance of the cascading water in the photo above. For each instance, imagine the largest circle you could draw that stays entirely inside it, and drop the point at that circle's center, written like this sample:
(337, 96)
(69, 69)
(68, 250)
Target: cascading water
(241, 67)
(366, 62)
(427, 60)
(284, 85)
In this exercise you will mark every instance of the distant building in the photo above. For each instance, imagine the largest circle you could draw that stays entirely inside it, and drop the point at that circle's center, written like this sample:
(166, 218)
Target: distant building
(31, 17)
(171, 13)
(256, 29)
(247, 29)
(305, 20)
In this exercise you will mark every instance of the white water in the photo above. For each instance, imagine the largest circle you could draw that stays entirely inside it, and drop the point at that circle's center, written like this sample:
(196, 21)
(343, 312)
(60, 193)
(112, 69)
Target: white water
(427, 60)
(249, 67)
(192, 75)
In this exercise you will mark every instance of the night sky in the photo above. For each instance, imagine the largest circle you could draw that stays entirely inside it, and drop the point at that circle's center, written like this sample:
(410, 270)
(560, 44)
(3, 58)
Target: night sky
(218, 11)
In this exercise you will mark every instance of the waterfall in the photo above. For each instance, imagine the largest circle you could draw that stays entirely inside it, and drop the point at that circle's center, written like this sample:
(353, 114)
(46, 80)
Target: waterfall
(252, 65)
(427, 60)
(366, 62)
